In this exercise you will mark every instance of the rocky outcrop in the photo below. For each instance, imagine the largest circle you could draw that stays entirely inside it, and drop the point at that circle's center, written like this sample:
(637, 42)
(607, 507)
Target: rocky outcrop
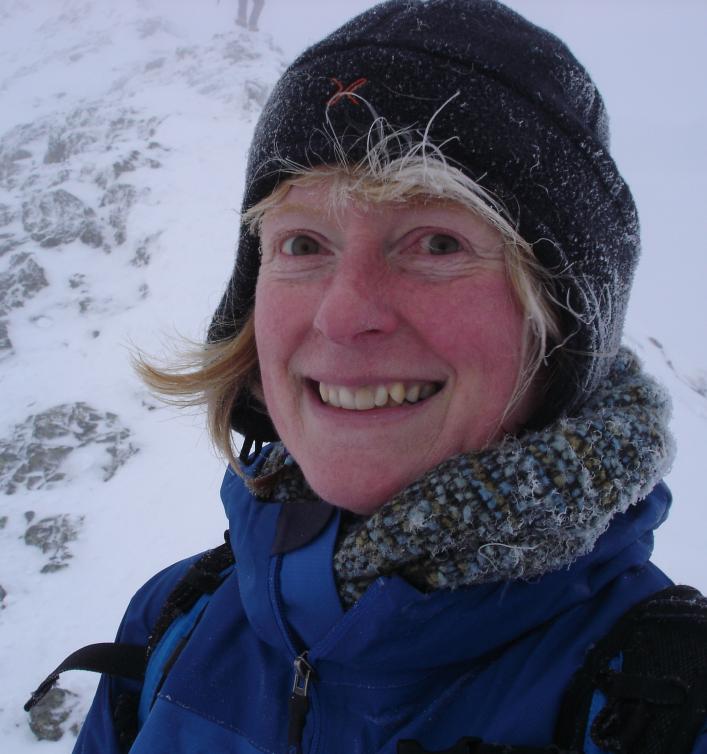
(34, 455)
(119, 198)
(7, 215)
(15, 156)
(64, 143)
(21, 281)
(50, 719)
(5, 342)
(58, 217)
(52, 536)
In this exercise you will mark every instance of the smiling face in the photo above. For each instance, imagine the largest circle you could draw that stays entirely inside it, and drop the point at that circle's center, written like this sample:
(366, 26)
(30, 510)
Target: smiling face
(389, 339)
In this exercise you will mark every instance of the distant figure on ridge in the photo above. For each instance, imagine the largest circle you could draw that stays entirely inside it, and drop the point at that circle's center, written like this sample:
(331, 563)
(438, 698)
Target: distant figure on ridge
(250, 23)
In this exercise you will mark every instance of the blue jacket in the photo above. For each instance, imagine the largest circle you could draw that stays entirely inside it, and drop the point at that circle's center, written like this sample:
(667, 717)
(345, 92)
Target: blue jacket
(490, 661)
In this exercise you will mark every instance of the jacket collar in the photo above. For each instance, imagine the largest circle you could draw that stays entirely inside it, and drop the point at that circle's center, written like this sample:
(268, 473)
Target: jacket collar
(394, 627)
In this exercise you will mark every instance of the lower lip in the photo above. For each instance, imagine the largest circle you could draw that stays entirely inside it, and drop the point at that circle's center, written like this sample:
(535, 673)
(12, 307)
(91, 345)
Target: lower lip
(365, 417)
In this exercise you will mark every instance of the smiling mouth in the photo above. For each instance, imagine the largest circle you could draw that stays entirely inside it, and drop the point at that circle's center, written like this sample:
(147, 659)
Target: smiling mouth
(384, 395)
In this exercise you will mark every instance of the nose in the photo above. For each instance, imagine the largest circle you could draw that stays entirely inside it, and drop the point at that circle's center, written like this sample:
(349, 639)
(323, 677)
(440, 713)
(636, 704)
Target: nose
(357, 301)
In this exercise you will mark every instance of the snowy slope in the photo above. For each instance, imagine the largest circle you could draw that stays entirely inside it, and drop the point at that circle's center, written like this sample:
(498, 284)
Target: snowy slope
(123, 133)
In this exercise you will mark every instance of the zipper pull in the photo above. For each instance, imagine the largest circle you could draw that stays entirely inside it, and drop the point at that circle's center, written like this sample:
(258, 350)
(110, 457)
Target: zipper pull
(298, 705)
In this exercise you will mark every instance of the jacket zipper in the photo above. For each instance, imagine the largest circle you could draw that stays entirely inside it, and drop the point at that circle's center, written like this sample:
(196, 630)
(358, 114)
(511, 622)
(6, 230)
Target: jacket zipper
(298, 704)
(299, 701)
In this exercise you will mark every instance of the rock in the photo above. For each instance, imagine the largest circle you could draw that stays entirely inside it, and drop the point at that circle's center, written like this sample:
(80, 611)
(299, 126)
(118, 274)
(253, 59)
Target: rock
(3, 594)
(5, 342)
(37, 465)
(141, 258)
(21, 281)
(15, 158)
(92, 235)
(52, 535)
(65, 144)
(58, 217)
(127, 164)
(61, 176)
(8, 242)
(142, 255)
(3, 522)
(77, 280)
(85, 304)
(34, 455)
(83, 117)
(155, 65)
(9, 167)
(237, 52)
(120, 197)
(49, 718)
(7, 215)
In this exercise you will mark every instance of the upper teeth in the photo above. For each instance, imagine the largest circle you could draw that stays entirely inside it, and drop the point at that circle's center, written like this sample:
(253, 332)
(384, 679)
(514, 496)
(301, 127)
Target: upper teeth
(372, 396)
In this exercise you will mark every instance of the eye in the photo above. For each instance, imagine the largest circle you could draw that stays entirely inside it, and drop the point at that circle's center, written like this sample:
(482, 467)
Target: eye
(441, 243)
(298, 246)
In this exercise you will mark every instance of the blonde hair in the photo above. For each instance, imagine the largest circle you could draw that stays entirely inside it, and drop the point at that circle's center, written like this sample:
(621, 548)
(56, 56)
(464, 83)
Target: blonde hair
(216, 374)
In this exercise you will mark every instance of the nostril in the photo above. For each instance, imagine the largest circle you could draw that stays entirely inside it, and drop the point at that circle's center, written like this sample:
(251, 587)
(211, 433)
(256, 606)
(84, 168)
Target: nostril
(347, 311)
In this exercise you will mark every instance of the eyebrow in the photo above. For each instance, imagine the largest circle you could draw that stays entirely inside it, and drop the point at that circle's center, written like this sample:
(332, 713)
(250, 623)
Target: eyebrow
(295, 207)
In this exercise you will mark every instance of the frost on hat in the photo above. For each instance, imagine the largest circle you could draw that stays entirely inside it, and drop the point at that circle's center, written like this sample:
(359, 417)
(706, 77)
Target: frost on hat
(513, 109)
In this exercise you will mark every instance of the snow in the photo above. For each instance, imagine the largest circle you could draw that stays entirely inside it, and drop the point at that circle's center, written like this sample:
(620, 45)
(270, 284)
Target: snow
(182, 89)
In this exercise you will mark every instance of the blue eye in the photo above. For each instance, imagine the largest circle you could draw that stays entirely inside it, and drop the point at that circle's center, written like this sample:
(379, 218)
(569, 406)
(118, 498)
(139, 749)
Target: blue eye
(441, 243)
(298, 246)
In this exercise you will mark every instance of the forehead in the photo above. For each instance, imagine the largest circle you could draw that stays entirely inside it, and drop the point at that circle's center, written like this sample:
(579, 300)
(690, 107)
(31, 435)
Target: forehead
(331, 199)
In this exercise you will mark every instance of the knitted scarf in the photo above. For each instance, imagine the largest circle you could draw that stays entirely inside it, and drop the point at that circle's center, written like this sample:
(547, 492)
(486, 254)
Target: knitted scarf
(525, 506)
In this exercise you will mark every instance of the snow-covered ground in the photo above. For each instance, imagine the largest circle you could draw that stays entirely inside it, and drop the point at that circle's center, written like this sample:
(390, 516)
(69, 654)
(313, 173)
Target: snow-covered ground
(123, 134)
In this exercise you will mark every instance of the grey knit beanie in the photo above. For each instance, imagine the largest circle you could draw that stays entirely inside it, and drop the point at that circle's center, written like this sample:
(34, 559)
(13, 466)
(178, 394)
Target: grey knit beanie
(522, 118)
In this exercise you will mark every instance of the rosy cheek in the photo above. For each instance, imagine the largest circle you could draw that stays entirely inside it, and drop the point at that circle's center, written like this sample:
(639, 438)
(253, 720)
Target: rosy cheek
(468, 316)
(282, 323)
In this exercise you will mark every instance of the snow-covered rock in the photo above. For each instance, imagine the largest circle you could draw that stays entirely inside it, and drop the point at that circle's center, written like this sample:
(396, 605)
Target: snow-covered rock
(42, 450)
(22, 280)
(52, 536)
(58, 217)
(52, 717)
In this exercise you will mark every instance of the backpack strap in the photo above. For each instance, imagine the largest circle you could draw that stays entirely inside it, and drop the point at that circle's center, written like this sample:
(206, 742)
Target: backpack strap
(150, 664)
(643, 687)
(641, 690)
(125, 660)
(204, 576)
(179, 617)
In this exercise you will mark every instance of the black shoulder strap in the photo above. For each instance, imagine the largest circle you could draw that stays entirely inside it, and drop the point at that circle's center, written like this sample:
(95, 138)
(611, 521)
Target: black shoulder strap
(643, 687)
(126, 660)
(130, 660)
(203, 577)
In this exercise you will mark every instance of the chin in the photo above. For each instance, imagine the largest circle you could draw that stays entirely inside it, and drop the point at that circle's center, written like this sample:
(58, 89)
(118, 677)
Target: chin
(355, 495)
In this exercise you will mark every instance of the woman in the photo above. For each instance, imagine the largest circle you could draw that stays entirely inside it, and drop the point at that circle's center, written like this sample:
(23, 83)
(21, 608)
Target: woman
(463, 471)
